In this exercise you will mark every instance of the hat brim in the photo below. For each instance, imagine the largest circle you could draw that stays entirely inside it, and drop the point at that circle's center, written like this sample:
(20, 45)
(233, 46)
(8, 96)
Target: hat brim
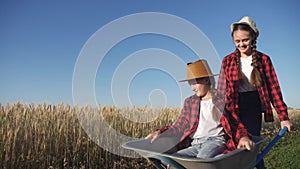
(198, 77)
(245, 23)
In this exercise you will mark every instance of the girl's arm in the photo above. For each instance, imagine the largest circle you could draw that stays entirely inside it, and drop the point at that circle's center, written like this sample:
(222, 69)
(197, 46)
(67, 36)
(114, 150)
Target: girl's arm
(275, 93)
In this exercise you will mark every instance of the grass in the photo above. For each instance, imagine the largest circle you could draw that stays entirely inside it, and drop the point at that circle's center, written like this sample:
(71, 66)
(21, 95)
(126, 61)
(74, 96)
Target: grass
(285, 154)
(51, 136)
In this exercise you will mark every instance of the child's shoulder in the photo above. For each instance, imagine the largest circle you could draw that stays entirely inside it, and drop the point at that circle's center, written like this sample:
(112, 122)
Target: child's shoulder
(230, 56)
(192, 98)
(262, 55)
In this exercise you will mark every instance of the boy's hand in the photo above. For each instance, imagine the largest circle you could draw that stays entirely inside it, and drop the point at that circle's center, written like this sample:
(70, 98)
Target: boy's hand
(247, 143)
(153, 136)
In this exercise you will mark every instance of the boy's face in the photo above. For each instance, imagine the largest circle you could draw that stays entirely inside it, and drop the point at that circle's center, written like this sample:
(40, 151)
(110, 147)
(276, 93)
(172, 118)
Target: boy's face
(200, 86)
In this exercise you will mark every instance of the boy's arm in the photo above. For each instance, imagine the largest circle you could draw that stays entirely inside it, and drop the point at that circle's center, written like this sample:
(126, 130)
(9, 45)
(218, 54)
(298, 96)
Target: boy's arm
(180, 125)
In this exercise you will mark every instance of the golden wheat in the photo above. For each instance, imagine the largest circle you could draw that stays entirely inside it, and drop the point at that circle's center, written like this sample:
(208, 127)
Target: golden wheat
(53, 136)
(50, 136)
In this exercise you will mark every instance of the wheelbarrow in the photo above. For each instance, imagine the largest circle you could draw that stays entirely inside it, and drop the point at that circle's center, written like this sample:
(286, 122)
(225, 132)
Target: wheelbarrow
(237, 159)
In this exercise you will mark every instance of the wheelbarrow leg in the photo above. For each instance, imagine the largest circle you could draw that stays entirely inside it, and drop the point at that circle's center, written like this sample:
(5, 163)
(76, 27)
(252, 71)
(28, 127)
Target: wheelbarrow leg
(270, 145)
(161, 161)
(157, 163)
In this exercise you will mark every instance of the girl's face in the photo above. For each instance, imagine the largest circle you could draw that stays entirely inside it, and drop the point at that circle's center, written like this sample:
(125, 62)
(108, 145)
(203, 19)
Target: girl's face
(242, 41)
(200, 86)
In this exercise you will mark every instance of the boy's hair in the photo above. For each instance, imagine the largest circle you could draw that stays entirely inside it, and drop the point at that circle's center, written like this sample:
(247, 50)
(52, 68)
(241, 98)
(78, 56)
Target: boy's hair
(211, 81)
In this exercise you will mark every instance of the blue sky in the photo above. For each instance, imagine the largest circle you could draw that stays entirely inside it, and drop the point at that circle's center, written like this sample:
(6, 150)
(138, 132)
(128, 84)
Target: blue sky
(41, 42)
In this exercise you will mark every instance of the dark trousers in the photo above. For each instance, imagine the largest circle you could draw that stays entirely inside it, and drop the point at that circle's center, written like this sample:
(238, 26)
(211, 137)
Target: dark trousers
(250, 113)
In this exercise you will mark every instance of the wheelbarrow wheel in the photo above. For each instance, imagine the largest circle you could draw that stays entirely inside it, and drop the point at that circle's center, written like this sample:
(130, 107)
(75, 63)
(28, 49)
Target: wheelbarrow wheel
(158, 164)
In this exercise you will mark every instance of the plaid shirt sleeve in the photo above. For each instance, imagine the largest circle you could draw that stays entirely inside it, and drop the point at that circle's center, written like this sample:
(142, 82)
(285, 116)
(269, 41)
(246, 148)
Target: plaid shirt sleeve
(227, 102)
(186, 123)
(274, 89)
(219, 99)
(182, 123)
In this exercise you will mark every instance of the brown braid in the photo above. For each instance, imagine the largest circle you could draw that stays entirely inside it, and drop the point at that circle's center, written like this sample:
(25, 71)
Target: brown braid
(241, 76)
(255, 78)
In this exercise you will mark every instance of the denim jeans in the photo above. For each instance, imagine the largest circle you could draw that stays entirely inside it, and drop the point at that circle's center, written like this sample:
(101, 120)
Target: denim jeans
(206, 147)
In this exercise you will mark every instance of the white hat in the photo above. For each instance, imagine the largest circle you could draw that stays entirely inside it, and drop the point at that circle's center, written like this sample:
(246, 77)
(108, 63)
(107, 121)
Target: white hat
(248, 21)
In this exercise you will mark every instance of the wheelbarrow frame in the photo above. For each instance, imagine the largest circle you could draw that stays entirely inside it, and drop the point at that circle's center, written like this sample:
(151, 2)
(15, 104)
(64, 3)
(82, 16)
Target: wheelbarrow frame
(237, 159)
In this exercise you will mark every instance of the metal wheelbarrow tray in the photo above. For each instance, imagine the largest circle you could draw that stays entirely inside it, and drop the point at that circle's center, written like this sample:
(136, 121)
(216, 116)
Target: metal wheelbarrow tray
(237, 159)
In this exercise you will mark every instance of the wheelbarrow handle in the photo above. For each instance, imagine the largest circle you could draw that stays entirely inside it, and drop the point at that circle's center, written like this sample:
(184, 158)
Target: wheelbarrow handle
(271, 144)
(283, 131)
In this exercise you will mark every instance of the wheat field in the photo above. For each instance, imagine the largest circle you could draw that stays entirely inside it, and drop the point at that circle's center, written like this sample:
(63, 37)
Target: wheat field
(45, 136)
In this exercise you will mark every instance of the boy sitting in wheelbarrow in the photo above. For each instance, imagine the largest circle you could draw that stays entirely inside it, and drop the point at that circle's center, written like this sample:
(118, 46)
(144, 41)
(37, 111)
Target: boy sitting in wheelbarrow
(198, 129)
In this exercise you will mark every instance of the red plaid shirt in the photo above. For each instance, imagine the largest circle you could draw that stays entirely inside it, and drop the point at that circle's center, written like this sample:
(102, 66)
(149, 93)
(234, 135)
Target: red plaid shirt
(186, 123)
(226, 98)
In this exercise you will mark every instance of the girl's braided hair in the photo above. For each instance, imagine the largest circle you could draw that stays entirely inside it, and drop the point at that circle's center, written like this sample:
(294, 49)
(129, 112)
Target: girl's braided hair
(255, 78)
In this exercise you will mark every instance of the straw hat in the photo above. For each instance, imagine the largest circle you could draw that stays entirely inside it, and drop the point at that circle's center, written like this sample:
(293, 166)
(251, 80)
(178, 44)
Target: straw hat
(248, 21)
(197, 70)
